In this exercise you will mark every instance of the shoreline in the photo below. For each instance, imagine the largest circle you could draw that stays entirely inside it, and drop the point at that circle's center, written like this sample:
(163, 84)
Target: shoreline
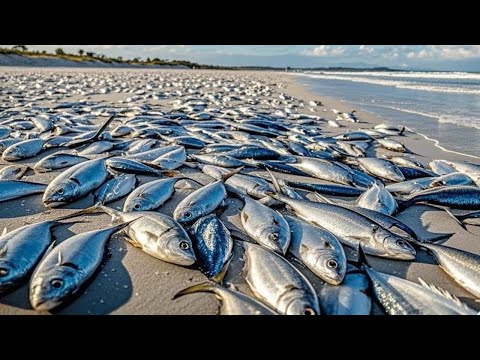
(132, 282)
(438, 123)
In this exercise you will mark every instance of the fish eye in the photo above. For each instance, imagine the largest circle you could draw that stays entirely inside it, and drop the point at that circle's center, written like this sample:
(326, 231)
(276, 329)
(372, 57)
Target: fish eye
(332, 264)
(60, 191)
(57, 283)
(137, 207)
(308, 311)
(273, 237)
(188, 215)
(401, 243)
(184, 245)
(4, 272)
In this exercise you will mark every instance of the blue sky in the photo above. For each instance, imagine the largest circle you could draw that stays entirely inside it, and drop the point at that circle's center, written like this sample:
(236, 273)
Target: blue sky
(431, 57)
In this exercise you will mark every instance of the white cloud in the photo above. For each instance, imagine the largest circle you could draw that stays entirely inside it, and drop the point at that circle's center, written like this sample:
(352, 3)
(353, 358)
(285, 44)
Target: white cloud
(325, 51)
(446, 52)
(365, 49)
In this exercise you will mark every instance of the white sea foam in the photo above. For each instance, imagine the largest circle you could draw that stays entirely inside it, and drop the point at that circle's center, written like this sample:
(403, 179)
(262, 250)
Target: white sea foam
(471, 89)
(437, 144)
(409, 74)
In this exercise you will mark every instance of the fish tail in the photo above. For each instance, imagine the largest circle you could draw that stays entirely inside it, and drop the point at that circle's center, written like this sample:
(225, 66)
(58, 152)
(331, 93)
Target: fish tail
(218, 278)
(206, 286)
(228, 175)
(93, 209)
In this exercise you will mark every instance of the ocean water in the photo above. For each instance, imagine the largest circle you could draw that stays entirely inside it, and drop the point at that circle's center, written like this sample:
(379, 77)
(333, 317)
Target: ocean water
(444, 106)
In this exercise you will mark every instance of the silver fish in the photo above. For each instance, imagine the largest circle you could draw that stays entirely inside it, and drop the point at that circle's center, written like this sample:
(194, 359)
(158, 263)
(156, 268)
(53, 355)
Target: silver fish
(75, 182)
(154, 233)
(266, 226)
(348, 298)
(318, 249)
(13, 172)
(63, 270)
(352, 228)
(23, 150)
(13, 189)
(462, 266)
(325, 170)
(200, 202)
(233, 302)
(402, 297)
(277, 283)
(58, 161)
(456, 178)
(115, 188)
(381, 168)
(379, 199)
(151, 195)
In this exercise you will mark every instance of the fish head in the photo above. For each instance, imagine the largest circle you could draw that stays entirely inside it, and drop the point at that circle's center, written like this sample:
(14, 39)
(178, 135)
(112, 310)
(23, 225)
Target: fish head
(275, 238)
(329, 264)
(49, 289)
(9, 274)
(137, 204)
(297, 304)
(395, 246)
(179, 250)
(62, 192)
(12, 153)
(188, 214)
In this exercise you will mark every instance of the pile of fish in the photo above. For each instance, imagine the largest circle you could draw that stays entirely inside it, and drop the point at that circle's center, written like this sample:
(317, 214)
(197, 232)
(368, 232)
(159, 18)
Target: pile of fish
(312, 204)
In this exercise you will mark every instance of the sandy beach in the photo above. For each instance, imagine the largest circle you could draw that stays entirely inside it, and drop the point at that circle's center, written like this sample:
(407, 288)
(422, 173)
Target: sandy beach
(132, 282)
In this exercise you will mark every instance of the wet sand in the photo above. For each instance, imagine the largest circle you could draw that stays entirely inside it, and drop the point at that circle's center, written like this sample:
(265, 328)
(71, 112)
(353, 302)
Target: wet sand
(132, 282)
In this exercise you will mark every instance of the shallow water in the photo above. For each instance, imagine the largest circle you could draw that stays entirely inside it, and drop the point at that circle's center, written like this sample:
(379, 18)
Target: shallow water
(442, 105)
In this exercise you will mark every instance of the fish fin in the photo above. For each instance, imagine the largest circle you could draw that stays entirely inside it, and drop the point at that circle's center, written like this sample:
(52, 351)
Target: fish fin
(437, 239)
(218, 278)
(70, 265)
(449, 213)
(4, 231)
(171, 173)
(93, 209)
(323, 199)
(228, 175)
(103, 128)
(206, 286)
(190, 164)
(442, 292)
(275, 183)
(3, 251)
(362, 259)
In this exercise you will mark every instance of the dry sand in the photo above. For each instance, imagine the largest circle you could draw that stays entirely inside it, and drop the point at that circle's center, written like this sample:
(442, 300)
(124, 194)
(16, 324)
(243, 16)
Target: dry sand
(132, 282)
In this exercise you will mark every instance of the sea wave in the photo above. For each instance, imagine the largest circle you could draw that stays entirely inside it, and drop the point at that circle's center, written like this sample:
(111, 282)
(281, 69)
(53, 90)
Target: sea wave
(398, 84)
(460, 120)
(409, 74)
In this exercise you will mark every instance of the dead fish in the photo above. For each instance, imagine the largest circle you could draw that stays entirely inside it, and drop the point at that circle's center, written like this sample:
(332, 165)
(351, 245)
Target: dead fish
(213, 244)
(277, 283)
(58, 161)
(14, 189)
(462, 266)
(318, 249)
(13, 172)
(154, 233)
(151, 195)
(115, 188)
(379, 199)
(66, 268)
(348, 298)
(23, 150)
(266, 226)
(75, 183)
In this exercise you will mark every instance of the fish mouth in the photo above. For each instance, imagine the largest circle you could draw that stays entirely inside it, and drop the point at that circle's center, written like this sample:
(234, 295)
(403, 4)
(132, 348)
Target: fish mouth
(44, 305)
(52, 203)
